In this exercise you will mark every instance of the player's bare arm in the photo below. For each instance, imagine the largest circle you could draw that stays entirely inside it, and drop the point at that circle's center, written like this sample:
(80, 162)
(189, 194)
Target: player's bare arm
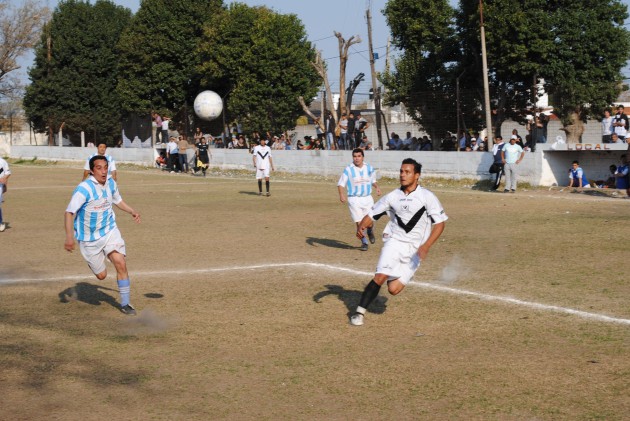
(126, 208)
(436, 231)
(377, 188)
(342, 194)
(366, 222)
(69, 228)
(273, 168)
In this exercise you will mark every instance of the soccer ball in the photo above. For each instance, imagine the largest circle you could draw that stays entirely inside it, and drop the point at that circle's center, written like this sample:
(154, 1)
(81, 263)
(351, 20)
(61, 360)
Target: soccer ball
(208, 105)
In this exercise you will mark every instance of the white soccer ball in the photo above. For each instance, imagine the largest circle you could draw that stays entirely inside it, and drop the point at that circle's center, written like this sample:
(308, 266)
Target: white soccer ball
(208, 105)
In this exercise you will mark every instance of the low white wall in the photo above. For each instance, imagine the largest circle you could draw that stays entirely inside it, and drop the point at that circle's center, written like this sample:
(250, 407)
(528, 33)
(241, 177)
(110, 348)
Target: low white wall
(544, 167)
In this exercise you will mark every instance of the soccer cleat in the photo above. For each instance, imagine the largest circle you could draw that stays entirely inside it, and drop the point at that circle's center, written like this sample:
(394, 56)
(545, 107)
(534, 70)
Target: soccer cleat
(259, 193)
(3, 226)
(505, 190)
(356, 319)
(371, 237)
(128, 310)
(364, 247)
(512, 191)
(268, 194)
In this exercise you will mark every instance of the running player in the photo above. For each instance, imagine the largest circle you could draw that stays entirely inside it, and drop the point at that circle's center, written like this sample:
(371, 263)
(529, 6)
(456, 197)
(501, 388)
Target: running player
(417, 220)
(90, 219)
(355, 187)
(101, 149)
(5, 173)
(202, 152)
(262, 162)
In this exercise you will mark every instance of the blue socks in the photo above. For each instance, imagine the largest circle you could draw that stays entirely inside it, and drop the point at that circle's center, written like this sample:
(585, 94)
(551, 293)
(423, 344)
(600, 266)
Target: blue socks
(124, 289)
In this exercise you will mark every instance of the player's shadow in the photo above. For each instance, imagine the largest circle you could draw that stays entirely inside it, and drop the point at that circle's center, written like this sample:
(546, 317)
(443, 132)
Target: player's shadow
(89, 294)
(312, 241)
(350, 298)
(251, 193)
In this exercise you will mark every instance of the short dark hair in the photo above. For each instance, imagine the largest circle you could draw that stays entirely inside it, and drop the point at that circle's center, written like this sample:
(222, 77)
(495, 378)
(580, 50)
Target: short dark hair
(417, 167)
(576, 162)
(96, 158)
(358, 150)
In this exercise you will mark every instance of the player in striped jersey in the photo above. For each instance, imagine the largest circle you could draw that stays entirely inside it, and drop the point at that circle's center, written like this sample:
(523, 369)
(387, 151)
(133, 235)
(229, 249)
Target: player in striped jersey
(416, 222)
(101, 149)
(91, 220)
(355, 187)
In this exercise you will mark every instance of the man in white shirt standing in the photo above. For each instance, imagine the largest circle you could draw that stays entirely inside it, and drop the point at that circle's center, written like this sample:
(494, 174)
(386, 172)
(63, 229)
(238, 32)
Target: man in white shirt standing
(620, 123)
(355, 187)
(5, 173)
(607, 127)
(101, 149)
(263, 162)
(511, 155)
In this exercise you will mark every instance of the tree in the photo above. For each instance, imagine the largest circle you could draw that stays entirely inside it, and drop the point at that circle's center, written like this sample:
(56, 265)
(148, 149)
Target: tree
(74, 76)
(260, 60)
(158, 63)
(426, 71)
(19, 31)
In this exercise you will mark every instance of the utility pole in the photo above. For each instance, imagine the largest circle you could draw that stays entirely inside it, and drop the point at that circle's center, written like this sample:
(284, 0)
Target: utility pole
(486, 88)
(377, 96)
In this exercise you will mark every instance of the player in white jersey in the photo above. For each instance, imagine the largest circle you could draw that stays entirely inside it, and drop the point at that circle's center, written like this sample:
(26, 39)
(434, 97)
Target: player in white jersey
(5, 173)
(91, 220)
(355, 187)
(417, 220)
(263, 162)
(100, 150)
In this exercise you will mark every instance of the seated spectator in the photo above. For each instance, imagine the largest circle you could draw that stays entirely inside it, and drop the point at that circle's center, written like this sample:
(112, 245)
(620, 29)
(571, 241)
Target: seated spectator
(160, 161)
(407, 143)
(577, 178)
(425, 144)
(219, 143)
(299, 146)
(482, 148)
(473, 145)
(279, 144)
(610, 182)
(621, 175)
(614, 138)
(395, 144)
(364, 143)
(317, 145)
(308, 143)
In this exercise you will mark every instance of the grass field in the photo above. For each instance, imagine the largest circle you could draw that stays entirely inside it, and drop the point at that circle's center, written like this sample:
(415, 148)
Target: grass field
(520, 312)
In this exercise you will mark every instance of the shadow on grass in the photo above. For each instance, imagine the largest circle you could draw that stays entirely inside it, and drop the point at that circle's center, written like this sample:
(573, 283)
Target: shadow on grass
(250, 193)
(350, 298)
(312, 241)
(89, 294)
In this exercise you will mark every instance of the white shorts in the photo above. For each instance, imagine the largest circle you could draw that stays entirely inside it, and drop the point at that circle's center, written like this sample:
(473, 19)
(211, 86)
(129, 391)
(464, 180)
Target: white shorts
(95, 252)
(398, 260)
(359, 207)
(262, 173)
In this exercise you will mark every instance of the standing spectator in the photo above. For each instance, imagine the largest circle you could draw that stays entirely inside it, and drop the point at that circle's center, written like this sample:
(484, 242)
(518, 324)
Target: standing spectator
(542, 121)
(203, 155)
(5, 173)
(355, 188)
(620, 124)
(198, 135)
(157, 126)
(577, 178)
(172, 154)
(319, 130)
(621, 175)
(329, 124)
(343, 132)
(417, 220)
(280, 144)
(511, 156)
(182, 147)
(351, 130)
(262, 162)
(165, 125)
(360, 127)
(101, 149)
(90, 219)
(497, 165)
(519, 139)
(607, 127)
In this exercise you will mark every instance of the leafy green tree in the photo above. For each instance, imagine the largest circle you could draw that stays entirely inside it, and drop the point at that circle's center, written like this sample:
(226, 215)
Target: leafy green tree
(74, 76)
(158, 63)
(261, 60)
(426, 71)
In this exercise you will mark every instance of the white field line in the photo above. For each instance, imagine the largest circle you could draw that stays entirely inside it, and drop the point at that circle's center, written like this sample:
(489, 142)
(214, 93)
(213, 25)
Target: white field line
(425, 285)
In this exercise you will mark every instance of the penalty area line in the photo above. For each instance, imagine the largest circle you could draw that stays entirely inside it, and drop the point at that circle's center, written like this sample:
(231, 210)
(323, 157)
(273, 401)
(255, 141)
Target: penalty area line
(425, 285)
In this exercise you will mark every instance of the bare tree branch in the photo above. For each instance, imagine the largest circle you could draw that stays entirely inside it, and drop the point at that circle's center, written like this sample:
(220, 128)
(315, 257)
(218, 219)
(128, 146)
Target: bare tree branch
(344, 46)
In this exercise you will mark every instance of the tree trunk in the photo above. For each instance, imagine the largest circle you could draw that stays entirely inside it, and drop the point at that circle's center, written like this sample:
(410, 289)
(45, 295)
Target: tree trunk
(574, 129)
(344, 46)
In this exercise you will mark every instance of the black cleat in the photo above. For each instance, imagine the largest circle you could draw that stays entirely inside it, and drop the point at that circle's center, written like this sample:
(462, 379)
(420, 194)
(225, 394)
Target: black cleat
(371, 237)
(128, 310)
(364, 247)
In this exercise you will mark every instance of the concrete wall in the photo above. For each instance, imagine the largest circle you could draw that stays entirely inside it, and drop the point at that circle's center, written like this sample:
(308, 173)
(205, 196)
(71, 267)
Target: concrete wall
(546, 166)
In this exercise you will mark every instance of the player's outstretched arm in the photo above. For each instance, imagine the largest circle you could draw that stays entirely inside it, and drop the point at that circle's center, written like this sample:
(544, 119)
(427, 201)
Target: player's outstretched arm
(436, 231)
(69, 228)
(126, 208)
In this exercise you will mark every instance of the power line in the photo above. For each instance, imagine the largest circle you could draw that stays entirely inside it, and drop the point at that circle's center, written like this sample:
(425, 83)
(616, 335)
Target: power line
(357, 52)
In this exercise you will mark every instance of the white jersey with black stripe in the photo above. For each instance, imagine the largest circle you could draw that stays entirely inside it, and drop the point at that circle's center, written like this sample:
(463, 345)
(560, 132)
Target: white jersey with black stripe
(411, 216)
(262, 155)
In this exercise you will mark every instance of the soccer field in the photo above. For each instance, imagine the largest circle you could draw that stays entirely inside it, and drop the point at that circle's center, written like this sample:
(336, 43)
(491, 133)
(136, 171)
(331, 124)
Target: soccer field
(521, 311)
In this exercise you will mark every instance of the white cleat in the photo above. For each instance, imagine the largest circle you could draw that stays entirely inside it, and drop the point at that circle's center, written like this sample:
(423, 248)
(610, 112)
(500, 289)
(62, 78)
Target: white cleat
(356, 320)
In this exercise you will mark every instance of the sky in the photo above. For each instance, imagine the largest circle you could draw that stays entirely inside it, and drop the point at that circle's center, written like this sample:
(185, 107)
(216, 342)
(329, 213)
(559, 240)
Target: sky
(321, 18)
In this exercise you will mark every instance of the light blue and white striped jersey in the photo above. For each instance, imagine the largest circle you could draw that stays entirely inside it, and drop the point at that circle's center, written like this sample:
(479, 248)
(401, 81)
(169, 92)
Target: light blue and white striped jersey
(358, 181)
(111, 164)
(91, 205)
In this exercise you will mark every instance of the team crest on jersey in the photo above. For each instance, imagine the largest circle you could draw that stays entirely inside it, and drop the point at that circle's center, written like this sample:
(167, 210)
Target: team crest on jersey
(405, 207)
